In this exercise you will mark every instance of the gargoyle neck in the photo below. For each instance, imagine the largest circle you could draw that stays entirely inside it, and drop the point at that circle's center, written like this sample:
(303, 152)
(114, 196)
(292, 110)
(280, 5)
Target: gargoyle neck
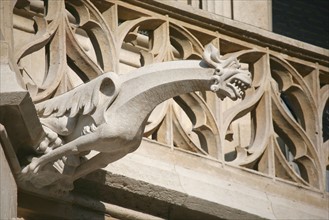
(142, 90)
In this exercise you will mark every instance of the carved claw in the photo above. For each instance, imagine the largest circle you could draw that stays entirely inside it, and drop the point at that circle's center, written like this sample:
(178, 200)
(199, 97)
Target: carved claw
(51, 141)
(89, 129)
(32, 167)
(93, 127)
(26, 169)
(44, 175)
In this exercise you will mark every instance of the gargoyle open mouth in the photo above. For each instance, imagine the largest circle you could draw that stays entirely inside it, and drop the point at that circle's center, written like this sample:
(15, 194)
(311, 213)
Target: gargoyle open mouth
(239, 84)
(232, 86)
(229, 79)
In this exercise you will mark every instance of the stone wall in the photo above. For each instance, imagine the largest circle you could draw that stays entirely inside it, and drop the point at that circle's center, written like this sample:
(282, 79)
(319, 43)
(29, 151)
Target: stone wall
(239, 10)
(8, 188)
(303, 20)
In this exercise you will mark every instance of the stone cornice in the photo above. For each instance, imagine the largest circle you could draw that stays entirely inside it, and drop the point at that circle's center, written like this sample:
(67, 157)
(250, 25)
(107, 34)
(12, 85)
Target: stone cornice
(239, 30)
(221, 190)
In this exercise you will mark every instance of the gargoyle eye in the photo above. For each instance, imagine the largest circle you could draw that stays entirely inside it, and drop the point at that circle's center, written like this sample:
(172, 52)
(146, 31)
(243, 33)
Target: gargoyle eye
(217, 70)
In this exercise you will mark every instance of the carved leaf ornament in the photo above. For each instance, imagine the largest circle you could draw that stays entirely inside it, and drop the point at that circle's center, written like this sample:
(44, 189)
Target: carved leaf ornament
(78, 41)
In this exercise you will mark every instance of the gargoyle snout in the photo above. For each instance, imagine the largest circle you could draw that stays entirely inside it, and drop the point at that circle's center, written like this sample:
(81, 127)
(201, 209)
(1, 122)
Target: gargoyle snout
(245, 76)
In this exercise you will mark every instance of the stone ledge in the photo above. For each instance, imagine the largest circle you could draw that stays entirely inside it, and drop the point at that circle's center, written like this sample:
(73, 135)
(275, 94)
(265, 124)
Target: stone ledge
(158, 182)
(205, 186)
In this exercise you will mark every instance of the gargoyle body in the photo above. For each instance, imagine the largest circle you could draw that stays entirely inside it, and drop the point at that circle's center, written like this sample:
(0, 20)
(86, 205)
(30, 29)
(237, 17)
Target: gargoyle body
(109, 113)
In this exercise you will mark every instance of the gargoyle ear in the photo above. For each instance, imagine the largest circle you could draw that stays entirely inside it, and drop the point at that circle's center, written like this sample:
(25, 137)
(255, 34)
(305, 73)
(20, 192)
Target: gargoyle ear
(211, 55)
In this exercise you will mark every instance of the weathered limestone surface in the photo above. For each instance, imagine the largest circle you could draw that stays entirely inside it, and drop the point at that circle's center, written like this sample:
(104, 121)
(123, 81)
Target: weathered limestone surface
(8, 188)
(256, 13)
(254, 34)
(205, 186)
(86, 75)
(17, 112)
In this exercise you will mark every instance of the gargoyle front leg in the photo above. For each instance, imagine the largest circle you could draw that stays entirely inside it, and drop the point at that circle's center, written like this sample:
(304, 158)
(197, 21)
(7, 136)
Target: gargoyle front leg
(98, 161)
(98, 140)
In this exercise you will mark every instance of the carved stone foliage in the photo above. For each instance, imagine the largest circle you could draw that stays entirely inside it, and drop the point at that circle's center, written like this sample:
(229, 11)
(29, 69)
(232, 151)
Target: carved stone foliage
(279, 128)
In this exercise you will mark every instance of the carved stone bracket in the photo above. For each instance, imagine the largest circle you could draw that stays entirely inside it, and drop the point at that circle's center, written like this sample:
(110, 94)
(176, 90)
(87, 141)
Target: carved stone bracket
(99, 75)
(109, 113)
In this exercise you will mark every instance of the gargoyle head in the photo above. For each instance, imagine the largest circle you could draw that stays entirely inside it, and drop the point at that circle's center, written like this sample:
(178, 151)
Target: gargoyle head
(229, 79)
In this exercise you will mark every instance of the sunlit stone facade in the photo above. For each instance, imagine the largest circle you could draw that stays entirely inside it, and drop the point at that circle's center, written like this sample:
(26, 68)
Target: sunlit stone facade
(79, 140)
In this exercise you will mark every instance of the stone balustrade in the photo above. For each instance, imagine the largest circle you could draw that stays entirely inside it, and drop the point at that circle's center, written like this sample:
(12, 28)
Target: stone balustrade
(276, 138)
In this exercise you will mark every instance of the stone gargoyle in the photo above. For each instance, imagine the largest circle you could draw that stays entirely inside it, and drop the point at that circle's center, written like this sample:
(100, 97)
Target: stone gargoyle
(109, 113)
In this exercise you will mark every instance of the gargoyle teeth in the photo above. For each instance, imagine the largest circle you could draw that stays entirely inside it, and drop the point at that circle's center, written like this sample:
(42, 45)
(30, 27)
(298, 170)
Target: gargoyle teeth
(237, 82)
(239, 85)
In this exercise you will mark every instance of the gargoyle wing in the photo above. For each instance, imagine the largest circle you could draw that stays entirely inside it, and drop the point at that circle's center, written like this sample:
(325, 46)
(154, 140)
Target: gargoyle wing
(85, 98)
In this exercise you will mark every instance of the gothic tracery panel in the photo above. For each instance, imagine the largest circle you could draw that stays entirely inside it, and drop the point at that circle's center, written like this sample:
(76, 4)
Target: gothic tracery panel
(280, 128)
